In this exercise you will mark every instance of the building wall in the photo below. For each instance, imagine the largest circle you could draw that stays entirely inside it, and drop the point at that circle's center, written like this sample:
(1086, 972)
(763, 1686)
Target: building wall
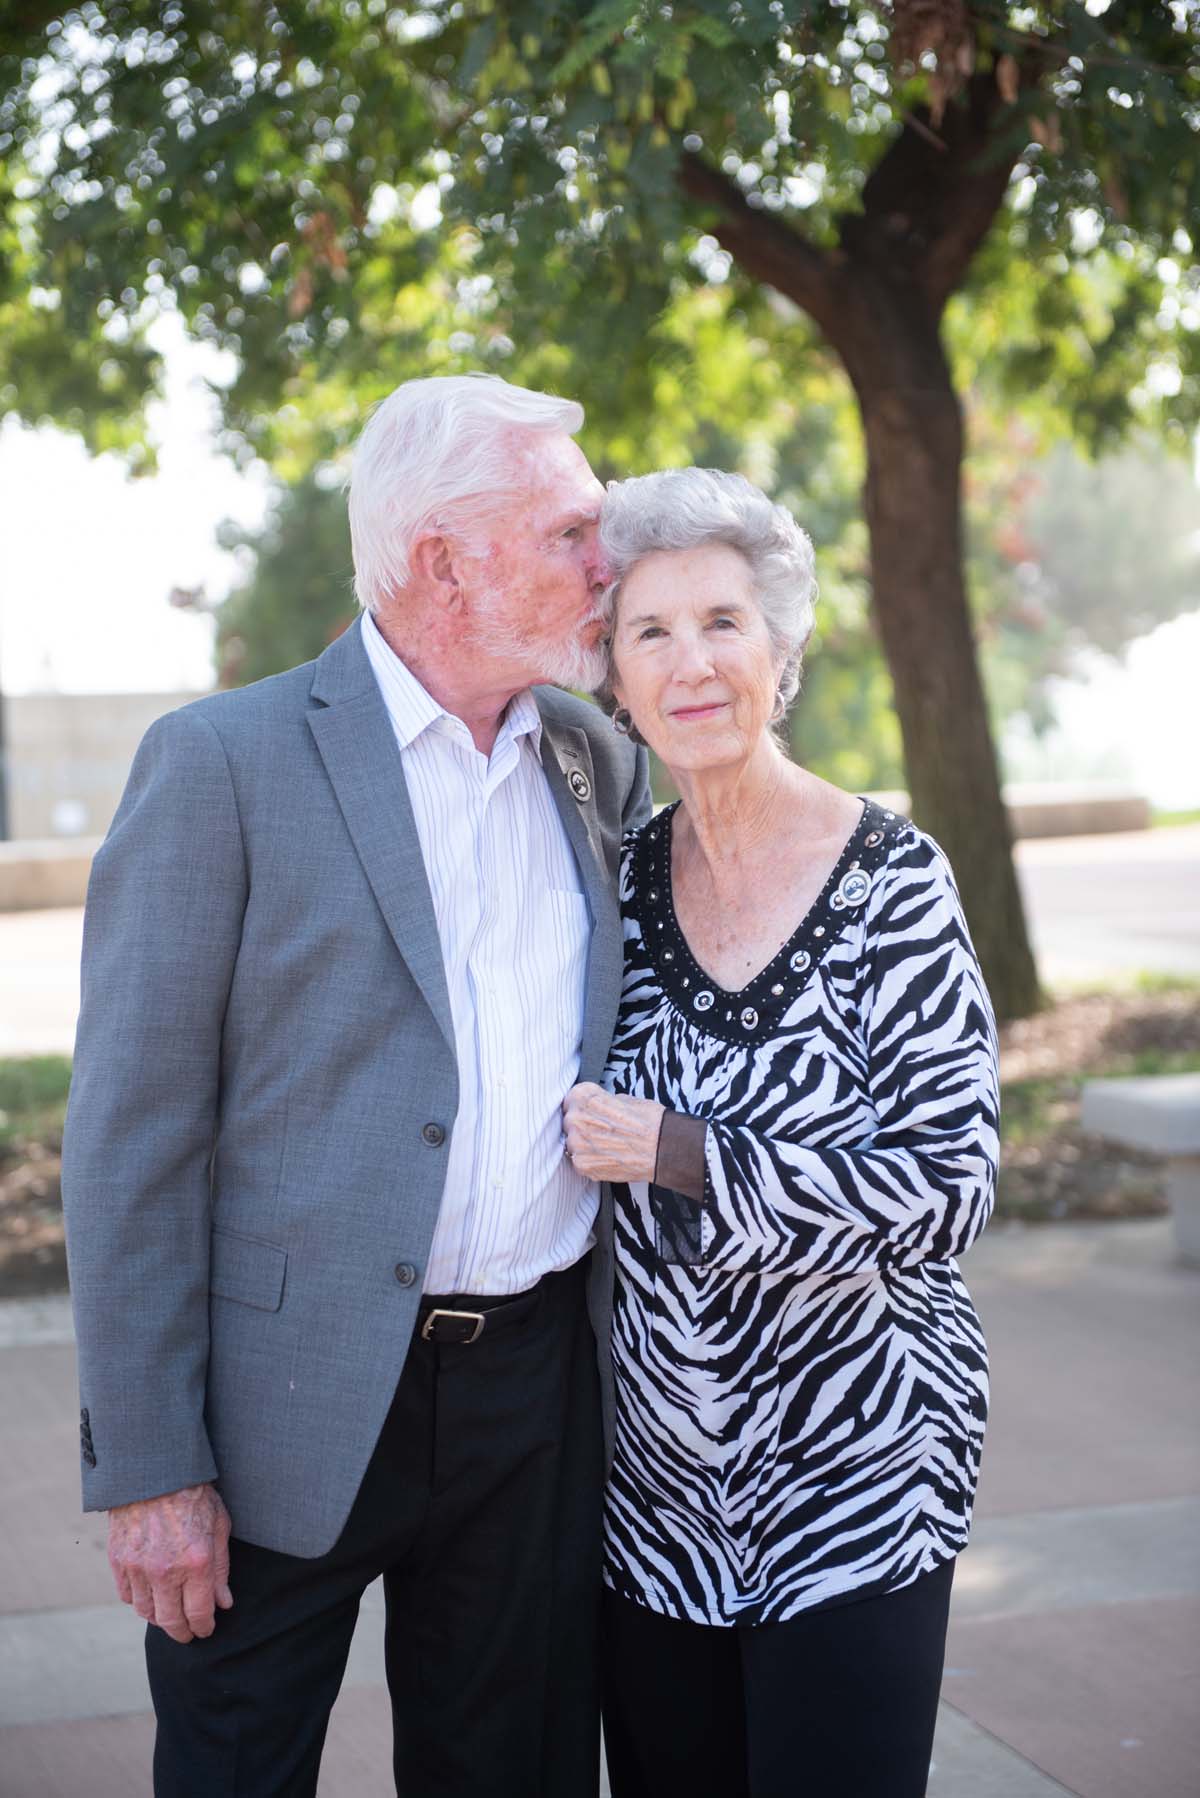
(69, 756)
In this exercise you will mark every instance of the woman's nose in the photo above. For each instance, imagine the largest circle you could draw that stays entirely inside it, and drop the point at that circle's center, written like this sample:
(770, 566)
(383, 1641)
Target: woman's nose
(693, 659)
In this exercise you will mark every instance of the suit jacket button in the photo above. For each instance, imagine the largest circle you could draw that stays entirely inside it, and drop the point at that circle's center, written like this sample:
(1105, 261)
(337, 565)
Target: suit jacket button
(434, 1135)
(406, 1273)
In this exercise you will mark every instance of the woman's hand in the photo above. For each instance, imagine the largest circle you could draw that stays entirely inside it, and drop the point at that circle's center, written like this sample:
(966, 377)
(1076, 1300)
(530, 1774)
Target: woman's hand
(610, 1136)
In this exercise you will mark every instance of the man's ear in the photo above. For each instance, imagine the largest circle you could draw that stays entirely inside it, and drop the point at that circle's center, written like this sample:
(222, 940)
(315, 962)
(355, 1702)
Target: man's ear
(434, 562)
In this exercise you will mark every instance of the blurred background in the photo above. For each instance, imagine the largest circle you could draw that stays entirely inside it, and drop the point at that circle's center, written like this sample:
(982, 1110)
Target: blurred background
(924, 271)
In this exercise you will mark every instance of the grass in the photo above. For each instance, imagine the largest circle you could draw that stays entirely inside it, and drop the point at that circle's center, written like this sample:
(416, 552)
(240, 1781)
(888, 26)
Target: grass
(1031, 1109)
(33, 1099)
(1164, 820)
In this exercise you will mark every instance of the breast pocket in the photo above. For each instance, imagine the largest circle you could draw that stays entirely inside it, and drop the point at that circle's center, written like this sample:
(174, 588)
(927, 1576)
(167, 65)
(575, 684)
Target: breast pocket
(247, 1271)
(566, 932)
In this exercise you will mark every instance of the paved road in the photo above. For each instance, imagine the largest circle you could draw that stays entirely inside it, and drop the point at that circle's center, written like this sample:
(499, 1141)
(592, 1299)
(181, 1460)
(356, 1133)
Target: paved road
(1074, 1652)
(1122, 904)
(1098, 907)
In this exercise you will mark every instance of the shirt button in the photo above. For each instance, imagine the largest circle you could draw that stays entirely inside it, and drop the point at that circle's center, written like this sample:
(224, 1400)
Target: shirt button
(434, 1135)
(406, 1273)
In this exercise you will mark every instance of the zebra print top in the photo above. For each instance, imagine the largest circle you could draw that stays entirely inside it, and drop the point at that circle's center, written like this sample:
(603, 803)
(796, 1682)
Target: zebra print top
(801, 1376)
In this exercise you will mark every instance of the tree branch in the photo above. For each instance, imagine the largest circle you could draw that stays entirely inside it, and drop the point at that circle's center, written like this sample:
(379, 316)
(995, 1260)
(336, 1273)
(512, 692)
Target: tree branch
(763, 246)
(933, 197)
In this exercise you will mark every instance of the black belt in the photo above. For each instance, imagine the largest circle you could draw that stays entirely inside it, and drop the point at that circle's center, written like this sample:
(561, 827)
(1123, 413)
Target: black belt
(462, 1318)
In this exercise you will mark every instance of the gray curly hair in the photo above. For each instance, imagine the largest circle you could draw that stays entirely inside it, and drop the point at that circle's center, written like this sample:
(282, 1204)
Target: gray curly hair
(685, 508)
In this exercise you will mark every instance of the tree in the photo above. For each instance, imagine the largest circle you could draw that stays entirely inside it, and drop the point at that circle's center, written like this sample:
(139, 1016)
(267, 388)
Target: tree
(870, 173)
(297, 595)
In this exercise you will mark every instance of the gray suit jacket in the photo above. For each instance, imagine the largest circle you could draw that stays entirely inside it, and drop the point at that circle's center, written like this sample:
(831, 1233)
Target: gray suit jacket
(250, 1175)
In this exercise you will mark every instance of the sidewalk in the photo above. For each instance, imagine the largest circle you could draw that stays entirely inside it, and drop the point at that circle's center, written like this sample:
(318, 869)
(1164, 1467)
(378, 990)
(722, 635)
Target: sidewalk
(1074, 1654)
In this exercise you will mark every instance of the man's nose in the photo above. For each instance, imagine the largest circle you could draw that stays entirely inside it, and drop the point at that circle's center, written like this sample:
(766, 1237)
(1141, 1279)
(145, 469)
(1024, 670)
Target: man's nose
(599, 567)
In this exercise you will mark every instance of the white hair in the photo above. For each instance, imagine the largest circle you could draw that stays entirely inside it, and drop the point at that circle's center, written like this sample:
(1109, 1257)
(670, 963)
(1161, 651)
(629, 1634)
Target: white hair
(685, 508)
(434, 455)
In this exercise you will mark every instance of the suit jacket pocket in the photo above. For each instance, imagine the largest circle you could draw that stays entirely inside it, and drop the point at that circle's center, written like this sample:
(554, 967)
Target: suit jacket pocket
(246, 1270)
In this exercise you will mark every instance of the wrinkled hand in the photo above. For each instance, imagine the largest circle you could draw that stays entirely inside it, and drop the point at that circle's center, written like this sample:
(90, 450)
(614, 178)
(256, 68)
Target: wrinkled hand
(170, 1559)
(610, 1136)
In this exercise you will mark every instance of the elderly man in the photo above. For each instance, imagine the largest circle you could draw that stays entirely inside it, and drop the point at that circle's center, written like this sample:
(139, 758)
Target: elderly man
(350, 940)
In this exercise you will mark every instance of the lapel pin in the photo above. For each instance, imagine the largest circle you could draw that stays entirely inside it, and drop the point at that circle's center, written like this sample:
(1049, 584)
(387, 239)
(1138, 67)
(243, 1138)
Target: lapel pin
(579, 784)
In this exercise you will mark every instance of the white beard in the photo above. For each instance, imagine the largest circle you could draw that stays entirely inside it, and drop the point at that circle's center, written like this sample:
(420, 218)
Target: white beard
(563, 662)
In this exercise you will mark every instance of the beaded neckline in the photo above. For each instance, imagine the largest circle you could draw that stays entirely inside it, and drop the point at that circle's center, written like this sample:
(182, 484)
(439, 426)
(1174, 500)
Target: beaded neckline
(751, 1013)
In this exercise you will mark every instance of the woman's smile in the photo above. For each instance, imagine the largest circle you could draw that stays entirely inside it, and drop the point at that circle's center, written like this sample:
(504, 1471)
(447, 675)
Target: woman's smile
(696, 714)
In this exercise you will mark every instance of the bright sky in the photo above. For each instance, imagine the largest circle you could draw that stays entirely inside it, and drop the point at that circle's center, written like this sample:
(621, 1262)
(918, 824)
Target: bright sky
(87, 558)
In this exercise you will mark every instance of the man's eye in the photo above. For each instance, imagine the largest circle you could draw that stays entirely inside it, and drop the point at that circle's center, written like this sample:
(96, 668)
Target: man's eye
(573, 530)
(725, 624)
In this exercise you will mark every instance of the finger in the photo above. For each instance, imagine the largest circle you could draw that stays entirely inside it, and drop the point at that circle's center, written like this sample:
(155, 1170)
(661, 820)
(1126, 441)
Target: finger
(121, 1581)
(199, 1599)
(141, 1595)
(168, 1608)
(221, 1587)
(173, 1623)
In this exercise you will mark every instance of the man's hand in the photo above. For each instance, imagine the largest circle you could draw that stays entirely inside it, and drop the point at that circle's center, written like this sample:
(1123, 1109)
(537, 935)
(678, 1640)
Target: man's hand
(609, 1135)
(170, 1559)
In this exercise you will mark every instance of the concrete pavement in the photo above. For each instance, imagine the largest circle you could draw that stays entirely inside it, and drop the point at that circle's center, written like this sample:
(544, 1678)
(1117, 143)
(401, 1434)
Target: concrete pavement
(1074, 1649)
(1098, 906)
(1101, 906)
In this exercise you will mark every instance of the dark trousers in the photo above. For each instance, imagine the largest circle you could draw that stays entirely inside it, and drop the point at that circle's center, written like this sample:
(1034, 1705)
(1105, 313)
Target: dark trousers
(480, 1508)
(837, 1703)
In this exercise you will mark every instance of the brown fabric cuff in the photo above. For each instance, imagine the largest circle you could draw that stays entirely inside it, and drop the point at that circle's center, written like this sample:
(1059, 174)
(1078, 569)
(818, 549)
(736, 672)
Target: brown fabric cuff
(680, 1164)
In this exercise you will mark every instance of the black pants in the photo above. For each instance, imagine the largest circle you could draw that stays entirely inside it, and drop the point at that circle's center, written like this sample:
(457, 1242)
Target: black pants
(480, 1507)
(838, 1703)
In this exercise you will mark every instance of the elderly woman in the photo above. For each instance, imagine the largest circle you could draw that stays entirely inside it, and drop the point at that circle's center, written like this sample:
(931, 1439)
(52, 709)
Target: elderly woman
(800, 1128)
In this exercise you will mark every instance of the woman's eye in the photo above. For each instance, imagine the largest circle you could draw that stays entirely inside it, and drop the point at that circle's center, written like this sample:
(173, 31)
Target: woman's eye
(572, 531)
(651, 630)
(725, 624)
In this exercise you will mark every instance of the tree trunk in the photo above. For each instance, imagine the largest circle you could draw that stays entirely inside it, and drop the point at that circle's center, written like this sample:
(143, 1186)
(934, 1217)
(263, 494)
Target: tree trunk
(914, 438)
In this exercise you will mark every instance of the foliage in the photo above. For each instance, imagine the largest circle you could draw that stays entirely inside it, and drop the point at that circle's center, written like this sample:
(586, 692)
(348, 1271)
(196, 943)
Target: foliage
(297, 595)
(1068, 552)
(33, 1099)
(348, 192)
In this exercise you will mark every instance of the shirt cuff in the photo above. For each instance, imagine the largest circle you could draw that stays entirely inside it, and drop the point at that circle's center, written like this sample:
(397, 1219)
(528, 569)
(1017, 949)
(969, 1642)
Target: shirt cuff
(680, 1165)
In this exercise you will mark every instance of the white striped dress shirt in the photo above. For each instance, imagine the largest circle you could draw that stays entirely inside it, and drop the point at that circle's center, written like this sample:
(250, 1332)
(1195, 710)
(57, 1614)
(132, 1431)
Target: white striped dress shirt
(514, 928)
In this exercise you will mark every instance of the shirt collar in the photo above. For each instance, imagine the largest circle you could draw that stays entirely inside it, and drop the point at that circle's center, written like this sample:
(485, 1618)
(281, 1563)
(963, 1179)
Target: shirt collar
(412, 710)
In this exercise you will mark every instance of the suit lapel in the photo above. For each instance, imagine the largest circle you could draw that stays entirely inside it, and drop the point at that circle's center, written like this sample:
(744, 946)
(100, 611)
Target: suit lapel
(358, 747)
(567, 761)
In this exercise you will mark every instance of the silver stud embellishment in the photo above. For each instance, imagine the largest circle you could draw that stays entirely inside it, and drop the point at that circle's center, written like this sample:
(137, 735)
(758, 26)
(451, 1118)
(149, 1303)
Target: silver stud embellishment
(668, 955)
(703, 1001)
(749, 1018)
(853, 887)
(776, 991)
(654, 892)
(875, 836)
(799, 961)
(820, 930)
(579, 784)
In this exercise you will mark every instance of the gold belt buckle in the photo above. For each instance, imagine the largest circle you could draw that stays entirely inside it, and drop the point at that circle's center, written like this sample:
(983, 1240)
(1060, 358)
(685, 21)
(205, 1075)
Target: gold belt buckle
(478, 1317)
